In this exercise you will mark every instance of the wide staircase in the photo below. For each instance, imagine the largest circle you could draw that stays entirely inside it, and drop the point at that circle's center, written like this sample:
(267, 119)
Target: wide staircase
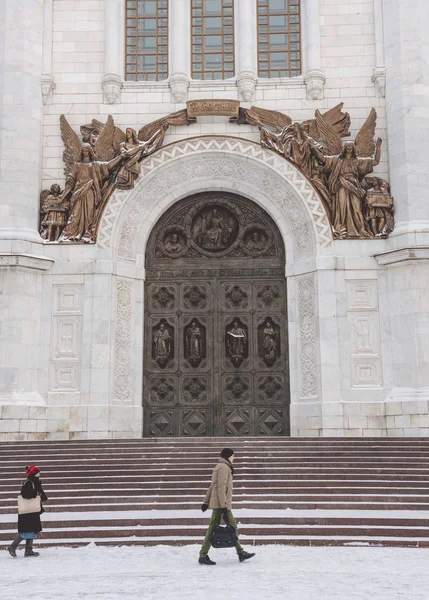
(325, 491)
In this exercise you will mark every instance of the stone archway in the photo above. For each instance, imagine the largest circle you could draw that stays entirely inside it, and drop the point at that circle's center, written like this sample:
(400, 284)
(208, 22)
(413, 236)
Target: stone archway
(212, 162)
(225, 164)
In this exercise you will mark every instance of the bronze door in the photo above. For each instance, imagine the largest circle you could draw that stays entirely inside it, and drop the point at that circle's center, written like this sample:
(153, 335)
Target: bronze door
(216, 348)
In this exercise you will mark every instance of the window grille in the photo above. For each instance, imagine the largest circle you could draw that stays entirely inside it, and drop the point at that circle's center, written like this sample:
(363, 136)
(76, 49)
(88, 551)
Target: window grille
(279, 44)
(212, 51)
(146, 40)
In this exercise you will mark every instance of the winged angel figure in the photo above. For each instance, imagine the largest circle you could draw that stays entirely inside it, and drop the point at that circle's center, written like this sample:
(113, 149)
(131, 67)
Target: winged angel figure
(108, 158)
(88, 170)
(345, 167)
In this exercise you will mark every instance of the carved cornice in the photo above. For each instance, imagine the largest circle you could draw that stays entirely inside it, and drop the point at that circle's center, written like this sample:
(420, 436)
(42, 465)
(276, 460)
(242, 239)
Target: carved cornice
(402, 255)
(26, 261)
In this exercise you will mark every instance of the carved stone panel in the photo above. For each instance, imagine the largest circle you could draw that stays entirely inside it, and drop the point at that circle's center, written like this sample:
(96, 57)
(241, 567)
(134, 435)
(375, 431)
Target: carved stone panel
(195, 297)
(162, 391)
(270, 422)
(237, 389)
(236, 296)
(269, 296)
(162, 297)
(270, 389)
(194, 422)
(161, 423)
(216, 349)
(238, 421)
(195, 390)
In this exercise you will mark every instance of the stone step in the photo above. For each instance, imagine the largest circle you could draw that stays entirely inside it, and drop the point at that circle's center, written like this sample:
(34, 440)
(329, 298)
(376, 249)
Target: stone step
(202, 521)
(250, 486)
(118, 477)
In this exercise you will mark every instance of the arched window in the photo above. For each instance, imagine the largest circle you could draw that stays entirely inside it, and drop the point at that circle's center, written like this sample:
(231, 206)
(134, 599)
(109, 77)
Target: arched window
(212, 39)
(279, 48)
(146, 40)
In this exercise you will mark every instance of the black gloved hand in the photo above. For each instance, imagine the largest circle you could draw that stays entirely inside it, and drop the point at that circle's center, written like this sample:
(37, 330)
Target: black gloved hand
(44, 497)
(204, 507)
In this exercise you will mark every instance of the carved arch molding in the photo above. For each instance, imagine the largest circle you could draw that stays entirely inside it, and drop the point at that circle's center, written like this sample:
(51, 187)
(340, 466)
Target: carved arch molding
(232, 163)
(216, 340)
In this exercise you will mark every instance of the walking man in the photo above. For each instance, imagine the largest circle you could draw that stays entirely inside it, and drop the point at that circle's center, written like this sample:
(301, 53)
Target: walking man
(219, 498)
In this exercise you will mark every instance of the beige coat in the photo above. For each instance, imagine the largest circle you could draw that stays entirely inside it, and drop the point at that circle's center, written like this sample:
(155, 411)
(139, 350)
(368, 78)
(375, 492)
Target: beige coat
(219, 494)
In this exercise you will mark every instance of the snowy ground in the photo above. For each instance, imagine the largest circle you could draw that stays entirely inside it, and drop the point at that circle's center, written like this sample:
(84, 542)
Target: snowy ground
(166, 572)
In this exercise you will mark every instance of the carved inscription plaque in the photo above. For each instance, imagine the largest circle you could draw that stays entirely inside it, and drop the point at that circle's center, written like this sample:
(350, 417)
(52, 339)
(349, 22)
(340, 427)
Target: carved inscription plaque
(216, 354)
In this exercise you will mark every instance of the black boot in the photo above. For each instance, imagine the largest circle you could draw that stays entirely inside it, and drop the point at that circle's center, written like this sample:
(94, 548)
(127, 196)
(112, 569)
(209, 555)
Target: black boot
(29, 549)
(14, 545)
(245, 555)
(206, 560)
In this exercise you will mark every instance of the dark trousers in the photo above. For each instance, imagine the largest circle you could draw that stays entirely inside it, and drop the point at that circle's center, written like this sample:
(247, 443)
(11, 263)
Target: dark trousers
(214, 522)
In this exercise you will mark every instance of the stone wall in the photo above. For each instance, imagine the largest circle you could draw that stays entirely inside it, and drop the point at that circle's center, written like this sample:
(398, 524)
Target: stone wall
(358, 314)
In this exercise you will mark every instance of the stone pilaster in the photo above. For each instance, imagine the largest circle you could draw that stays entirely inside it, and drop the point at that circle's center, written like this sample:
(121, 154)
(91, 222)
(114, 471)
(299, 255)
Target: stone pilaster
(406, 43)
(113, 51)
(20, 119)
(179, 46)
(246, 49)
(314, 76)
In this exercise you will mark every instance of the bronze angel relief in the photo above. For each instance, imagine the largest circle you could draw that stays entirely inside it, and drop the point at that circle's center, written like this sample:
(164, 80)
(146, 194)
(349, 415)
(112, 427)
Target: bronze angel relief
(337, 171)
(107, 158)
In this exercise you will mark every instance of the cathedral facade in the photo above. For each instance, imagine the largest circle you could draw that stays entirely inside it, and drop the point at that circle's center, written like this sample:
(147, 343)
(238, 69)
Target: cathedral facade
(214, 218)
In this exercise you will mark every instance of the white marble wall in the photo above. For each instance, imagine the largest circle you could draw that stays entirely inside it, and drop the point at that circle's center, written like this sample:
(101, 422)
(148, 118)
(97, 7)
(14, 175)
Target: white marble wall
(71, 340)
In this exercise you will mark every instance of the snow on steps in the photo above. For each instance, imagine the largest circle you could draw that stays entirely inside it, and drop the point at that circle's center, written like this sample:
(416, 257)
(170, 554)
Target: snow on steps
(149, 491)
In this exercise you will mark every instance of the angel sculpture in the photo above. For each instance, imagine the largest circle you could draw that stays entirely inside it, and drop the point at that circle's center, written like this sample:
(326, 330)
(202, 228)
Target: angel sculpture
(346, 167)
(295, 141)
(134, 150)
(292, 139)
(88, 173)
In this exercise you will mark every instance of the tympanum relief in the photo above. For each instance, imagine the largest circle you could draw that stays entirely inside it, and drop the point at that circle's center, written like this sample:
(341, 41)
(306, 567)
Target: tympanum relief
(104, 158)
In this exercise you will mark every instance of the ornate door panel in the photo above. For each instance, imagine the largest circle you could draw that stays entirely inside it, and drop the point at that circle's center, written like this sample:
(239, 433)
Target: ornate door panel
(216, 349)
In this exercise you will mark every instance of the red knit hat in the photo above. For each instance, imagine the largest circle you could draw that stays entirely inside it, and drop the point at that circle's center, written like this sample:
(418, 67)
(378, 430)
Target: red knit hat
(31, 471)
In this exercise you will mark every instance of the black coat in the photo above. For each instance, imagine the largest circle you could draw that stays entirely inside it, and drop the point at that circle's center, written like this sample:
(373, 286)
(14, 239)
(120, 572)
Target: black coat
(30, 523)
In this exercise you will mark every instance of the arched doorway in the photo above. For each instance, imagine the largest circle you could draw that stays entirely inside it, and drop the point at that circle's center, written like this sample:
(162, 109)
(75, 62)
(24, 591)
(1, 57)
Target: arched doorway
(216, 340)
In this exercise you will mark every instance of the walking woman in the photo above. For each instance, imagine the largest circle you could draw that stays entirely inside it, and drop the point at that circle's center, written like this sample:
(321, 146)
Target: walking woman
(219, 498)
(29, 524)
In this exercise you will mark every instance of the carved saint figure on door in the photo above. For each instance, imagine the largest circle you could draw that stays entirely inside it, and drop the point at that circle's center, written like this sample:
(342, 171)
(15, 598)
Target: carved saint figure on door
(236, 342)
(162, 341)
(269, 342)
(194, 344)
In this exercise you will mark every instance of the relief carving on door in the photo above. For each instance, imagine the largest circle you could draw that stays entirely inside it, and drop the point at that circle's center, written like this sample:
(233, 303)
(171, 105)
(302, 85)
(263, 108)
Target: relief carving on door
(216, 352)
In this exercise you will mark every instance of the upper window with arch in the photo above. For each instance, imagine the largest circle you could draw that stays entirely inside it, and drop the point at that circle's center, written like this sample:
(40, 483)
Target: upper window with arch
(279, 44)
(146, 50)
(212, 25)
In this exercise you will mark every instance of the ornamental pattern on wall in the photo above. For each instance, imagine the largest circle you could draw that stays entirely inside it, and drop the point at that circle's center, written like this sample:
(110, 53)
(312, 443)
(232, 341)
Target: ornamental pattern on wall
(307, 328)
(105, 158)
(273, 179)
(122, 385)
